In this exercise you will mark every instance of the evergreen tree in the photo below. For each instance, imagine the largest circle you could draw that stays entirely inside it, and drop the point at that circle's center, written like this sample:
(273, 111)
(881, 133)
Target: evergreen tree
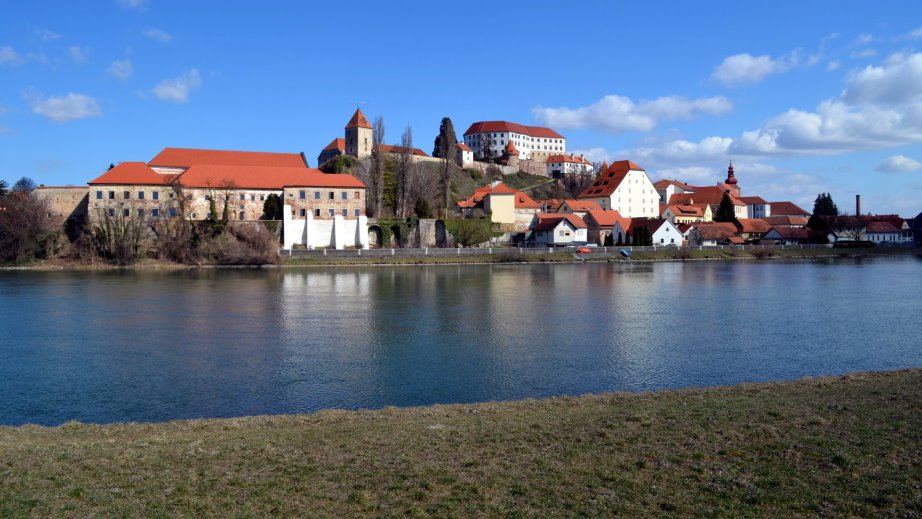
(422, 208)
(446, 135)
(620, 241)
(725, 211)
(608, 241)
(824, 206)
(272, 207)
(3, 189)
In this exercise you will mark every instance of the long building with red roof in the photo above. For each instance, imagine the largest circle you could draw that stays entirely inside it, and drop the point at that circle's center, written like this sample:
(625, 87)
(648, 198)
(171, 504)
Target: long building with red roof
(488, 139)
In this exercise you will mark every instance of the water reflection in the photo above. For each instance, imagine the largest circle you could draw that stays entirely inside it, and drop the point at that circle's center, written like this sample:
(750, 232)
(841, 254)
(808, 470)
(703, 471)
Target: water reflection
(114, 346)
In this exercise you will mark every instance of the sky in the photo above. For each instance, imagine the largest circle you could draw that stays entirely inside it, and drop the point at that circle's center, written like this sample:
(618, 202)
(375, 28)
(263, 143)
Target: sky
(805, 97)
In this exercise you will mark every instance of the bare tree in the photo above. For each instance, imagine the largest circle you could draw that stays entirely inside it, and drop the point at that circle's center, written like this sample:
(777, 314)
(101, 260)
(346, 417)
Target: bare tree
(377, 165)
(405, 165)
(228, 191)
(484, 144)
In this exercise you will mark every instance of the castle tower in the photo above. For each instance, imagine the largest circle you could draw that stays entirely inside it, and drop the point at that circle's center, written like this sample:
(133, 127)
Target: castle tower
(511, 154)
(359, 136)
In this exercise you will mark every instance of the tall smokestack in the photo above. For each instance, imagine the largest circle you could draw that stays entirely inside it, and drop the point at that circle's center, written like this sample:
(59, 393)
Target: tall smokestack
(857, 205)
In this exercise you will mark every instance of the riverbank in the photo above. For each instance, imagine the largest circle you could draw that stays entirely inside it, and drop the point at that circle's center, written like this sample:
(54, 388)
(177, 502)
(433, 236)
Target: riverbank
(665, 254)
(834, 446)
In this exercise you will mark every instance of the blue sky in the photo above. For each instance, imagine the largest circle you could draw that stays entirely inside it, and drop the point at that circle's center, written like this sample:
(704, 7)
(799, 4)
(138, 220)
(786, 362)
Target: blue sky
(805, 97)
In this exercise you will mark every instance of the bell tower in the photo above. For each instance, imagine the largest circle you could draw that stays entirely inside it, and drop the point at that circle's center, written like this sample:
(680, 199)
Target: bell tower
(359, 136)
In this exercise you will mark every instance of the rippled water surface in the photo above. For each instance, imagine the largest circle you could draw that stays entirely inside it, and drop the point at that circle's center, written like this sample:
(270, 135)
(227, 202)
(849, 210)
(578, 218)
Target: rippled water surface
(147, 346)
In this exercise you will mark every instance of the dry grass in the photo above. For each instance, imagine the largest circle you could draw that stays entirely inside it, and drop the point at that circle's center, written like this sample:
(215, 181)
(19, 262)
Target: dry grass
(847, 446)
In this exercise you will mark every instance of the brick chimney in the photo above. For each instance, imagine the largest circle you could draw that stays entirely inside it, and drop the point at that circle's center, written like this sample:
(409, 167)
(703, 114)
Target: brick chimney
(857, 205)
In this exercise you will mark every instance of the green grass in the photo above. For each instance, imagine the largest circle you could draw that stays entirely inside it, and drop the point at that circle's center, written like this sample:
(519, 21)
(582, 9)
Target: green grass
(841, 447)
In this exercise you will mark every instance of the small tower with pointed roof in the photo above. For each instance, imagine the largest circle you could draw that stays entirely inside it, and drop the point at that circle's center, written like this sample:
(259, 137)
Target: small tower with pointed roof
(511, 154)
(359, 136)
(731, 181)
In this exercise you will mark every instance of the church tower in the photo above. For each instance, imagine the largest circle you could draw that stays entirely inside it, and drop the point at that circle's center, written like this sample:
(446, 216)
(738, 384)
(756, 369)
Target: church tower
(359, 136)
(731, 181)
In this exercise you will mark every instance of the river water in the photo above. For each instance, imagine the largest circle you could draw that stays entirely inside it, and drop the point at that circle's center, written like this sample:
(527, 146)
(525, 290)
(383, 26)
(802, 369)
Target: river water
(152, 346)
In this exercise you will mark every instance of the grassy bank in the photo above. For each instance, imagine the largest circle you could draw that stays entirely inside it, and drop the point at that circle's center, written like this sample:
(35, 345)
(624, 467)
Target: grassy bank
(843, 446)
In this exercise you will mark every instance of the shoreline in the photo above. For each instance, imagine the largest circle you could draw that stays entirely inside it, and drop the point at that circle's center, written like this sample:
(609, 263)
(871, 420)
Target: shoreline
(666, 255)
(834, 445)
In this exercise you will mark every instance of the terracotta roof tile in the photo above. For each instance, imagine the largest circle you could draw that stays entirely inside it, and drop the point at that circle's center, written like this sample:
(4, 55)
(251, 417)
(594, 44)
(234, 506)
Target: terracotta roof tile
(609, 180)
(582, 205)
(387, 148)
(463, 147)
(187, 157)
(504, 126)
(132, 173)
(608, 218)
(250, 177)
(358, 121)
(575, 159)
(786, 209)
(336, 144)
(548, 221)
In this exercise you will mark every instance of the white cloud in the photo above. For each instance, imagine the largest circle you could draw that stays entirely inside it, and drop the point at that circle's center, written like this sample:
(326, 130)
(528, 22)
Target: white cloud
(863, 53)
(916, 34)
(132, 4)
(863, 39)
(178, 90)
(9, 56)
(66, 108)
(47, 34)
(832, 65)
(745, 68)
(158, 35)
(899, 80)
(899, 164)
(121, 69)
(614, 113)
(80, 55)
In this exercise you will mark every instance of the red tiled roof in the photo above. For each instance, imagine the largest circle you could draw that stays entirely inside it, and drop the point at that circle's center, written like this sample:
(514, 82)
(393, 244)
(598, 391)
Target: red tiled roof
(703, 195)
(548, 221)
(504, 126)
(511, 149)
(786, 209)
(523, 201)
(608, 218)
(358, 120)
(662, 184)
(787, 221)
(582, 205)
(336, 144)
(736, 240)
(576, 159)
(254, 177)
(753, 225)
(878, 227)
(387, 148)
(715, 230)
(463, 147)
(128, 173)
(187, 157)
(687, 210)
(502, 189)
(798, 233)
(608, 180)
(752, 200)
(652, 224)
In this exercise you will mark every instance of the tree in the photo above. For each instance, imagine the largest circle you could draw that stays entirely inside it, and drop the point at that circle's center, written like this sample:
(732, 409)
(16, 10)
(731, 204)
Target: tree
(485, 147)
(447, 134)
(272, 207)
(3, 188)
(26, 232)
(24, 185)
(405, 165)
(448, 151)
(725, 211)
(824, 206)
(422, 208)
(377, 166)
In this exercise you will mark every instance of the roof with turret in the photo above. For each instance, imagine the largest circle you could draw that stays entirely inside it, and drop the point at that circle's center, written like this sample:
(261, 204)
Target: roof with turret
(358, 120)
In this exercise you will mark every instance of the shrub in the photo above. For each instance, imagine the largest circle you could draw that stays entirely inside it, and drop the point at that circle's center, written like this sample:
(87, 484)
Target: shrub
(26, 231)
(119, 239)
(471, 232)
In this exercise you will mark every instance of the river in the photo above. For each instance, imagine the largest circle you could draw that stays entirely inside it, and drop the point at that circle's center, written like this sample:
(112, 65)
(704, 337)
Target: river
(147, 345)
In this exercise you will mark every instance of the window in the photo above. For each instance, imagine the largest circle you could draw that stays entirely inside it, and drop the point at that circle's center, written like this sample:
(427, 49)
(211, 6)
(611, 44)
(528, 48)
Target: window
(358, 212)
(99, 195)
(155, 195)
(111, 212)
(344, 195)
(207, 197)
(173, 212)
(358, 195)
(243, 197)
(155, 212)
(252, 198)
(126, 212)
(140, 195)
(262, 197)
(331, 211)
(303, 212)
(127, 195)
(332, 195)
(140, 213)
(316, 195)
(317, 213)
(242, 215)
(302, 195)
(111, 195)
(345, 213)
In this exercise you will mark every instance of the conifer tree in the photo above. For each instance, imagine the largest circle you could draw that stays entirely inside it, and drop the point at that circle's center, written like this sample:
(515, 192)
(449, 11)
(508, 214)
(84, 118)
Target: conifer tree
(824, 206)
(725, 211)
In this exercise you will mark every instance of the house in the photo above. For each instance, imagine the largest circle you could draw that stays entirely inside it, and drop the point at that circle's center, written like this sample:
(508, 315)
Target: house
(578, 207)
(606, 227)
(185, 182)
(756, 207)
(551, 205)
(786, 236)
(464, 155)
(687, 213)
(711, 195)
(786, 209)
(561, 165)
(488, 139)
(751, 229)
(787, 221)
(504, 204)
(626, 188)
(666, 188)
(886, 232)
(554, 229)
(662, 231)
(711, 233)
(65, 202)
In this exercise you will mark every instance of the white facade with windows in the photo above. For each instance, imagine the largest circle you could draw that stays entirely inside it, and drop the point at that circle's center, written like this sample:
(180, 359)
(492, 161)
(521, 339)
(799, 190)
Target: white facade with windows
(533, 142)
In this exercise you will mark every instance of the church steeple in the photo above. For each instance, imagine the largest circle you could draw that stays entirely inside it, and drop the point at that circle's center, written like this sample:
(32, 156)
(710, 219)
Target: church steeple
(730, 178)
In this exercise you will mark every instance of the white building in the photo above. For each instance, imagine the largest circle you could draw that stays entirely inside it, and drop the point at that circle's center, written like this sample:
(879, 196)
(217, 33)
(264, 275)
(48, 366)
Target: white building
(562, 164)
(663, 232)
(551, 229)
(756, 207)
(533, 142)
(626, 188)
(464, 156)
